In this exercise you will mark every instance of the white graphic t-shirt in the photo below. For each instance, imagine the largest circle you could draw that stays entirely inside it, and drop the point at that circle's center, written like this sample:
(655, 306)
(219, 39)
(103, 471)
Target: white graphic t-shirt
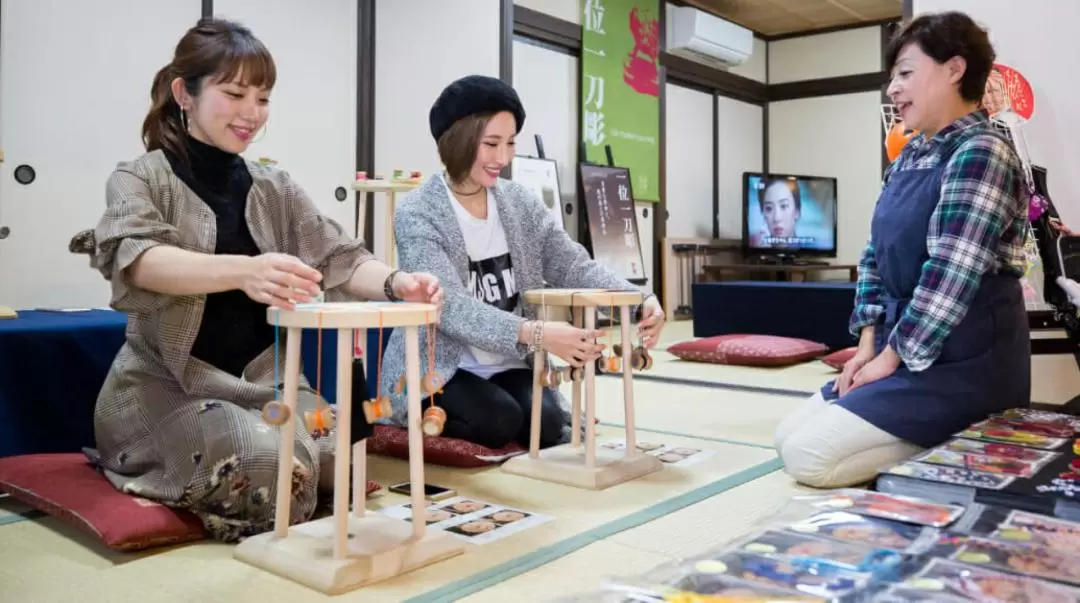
(491, 279)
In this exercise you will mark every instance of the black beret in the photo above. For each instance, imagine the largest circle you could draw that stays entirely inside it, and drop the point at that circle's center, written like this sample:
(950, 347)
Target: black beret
(470, 95)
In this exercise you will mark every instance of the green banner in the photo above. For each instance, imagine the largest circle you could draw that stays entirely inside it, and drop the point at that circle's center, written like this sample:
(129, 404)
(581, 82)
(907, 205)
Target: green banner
(620, 90)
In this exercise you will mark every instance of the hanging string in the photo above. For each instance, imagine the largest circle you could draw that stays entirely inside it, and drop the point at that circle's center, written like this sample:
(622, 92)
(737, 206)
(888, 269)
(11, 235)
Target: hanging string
(318, 362)
(378, 359)
(277, 346)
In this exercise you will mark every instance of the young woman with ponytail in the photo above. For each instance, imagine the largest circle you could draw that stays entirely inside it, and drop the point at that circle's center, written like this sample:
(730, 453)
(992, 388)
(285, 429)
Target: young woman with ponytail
(196, 242)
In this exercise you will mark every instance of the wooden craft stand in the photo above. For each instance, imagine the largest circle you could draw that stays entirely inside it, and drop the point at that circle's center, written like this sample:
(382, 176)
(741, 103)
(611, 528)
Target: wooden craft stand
(573, 464)
(349, 550)
(391, 188)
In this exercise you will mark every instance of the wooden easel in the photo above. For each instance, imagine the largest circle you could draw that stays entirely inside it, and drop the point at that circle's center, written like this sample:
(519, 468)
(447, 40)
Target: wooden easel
(391, 188)
(571, 464)
(346, 551)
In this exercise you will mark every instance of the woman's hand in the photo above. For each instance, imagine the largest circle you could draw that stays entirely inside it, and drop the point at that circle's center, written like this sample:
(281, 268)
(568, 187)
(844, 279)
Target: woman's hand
(880, 367)
(279, 280)
(652, 322)
(418, 287)
(843, 384)
(575, 346)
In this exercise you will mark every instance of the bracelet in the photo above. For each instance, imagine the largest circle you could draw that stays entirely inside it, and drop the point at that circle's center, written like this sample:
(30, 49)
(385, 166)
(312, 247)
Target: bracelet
(388, 287)
(538, 336)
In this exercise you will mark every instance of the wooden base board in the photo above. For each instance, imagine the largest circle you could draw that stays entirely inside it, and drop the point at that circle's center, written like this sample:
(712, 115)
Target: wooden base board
(566, 465)
(380, 547)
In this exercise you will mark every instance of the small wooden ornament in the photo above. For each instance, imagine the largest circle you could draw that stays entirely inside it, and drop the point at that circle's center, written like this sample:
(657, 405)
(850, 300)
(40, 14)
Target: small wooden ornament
(432, 384)
(319, 423)
(379, 408)
(554, 377)
(614, 364)
(648, 358)
(275, 413)
(433, 421)
(577, 374)
(617, 349)
(399, 387)
(637, 359)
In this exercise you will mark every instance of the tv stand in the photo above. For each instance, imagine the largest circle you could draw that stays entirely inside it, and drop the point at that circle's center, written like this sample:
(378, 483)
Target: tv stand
(787, 260)
(777, 268)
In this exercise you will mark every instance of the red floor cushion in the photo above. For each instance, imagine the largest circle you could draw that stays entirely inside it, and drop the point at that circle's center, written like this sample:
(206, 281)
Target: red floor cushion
(748, 350)
(839, 358)
(70, 489)
(67, 487)
(393, 441)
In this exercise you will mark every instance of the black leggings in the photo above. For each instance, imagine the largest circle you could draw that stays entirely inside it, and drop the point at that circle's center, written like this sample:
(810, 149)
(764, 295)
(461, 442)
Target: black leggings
(494, 412)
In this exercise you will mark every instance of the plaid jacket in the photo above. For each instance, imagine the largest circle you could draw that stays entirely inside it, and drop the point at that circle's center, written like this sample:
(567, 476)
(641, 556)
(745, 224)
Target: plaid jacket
(979, 226)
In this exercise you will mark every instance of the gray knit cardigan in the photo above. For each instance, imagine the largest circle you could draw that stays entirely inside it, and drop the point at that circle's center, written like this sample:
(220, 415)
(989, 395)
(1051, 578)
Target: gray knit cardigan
(430, 240)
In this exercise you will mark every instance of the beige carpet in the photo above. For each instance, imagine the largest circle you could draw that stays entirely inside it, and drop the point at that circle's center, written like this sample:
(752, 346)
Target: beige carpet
(44, 561)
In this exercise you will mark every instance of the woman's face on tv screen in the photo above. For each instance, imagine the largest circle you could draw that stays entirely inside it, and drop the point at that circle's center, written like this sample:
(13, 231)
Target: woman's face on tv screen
(779, 210)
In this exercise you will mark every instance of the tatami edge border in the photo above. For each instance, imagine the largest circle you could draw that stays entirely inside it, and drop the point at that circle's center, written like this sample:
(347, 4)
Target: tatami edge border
(791, 393)
(455, 591)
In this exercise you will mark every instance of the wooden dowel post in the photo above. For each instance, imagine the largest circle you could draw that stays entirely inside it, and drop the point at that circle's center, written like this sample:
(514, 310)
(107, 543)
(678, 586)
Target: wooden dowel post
(537, 403)
(628, 380)
(359, 449)
(416, 444)
(577, 319)
(590, 397)
(343, 445)
(283, 508)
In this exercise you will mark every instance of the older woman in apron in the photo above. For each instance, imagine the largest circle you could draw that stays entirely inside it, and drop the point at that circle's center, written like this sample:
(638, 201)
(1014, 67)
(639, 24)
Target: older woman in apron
(939, 310)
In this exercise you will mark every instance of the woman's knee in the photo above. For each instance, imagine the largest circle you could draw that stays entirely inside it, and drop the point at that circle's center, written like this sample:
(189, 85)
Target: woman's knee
(241, 479)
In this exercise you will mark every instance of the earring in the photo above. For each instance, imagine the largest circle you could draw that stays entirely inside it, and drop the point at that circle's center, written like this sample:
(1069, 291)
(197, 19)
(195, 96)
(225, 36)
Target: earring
(184, 121)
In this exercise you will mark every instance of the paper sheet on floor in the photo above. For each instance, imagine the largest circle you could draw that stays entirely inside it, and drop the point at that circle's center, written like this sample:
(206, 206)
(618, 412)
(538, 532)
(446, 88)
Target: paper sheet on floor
(473, 520)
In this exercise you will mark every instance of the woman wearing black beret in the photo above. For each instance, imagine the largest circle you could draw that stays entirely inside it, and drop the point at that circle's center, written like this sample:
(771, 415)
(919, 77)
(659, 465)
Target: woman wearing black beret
(487, 240)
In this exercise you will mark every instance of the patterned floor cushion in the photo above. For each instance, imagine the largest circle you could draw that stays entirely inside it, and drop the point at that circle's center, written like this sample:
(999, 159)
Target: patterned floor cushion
(748, 350)
(449, 452)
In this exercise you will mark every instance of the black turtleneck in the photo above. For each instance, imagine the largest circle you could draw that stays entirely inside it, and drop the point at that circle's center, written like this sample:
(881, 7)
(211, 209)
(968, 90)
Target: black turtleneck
(234, 329)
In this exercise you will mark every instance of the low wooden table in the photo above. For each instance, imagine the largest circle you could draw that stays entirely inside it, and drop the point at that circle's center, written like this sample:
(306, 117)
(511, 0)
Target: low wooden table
(781, 272)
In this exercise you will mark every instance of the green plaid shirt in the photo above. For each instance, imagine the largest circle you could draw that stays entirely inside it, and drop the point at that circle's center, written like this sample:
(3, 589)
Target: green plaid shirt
(979, 226)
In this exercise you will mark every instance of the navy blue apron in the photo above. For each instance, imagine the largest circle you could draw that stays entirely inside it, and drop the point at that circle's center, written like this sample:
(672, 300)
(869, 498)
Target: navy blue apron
(985, 365)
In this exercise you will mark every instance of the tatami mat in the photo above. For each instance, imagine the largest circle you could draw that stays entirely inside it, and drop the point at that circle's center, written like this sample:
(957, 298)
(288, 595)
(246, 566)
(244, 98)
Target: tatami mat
(37, 551)
(707, 524)
(731, 411)
(732, 415)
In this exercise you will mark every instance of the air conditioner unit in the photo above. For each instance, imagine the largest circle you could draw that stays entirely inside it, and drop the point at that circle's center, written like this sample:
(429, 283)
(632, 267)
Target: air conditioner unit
(696, 35)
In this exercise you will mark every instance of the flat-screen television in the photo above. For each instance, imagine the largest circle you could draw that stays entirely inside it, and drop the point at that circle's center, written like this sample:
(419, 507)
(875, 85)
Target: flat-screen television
(789, 216)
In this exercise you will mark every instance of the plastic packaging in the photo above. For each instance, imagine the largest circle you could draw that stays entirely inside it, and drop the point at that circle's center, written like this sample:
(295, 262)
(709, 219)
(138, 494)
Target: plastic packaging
(871, 504)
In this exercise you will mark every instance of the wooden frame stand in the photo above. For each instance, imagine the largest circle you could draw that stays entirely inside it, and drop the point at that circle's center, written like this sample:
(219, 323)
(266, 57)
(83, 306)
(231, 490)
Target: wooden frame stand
(348, 550)
(573, 464)
(391, 188)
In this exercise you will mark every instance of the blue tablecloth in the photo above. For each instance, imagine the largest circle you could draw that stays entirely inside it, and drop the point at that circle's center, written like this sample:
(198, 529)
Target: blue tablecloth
(52, 365)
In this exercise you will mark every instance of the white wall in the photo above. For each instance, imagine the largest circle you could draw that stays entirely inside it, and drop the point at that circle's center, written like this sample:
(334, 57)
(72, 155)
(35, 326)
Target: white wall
(314, 102)
(1043, 47)
(420, 47)
(825, 55)
(741, 150)
(74, 91)
(547, 82)
(838, 136)
(689, 155)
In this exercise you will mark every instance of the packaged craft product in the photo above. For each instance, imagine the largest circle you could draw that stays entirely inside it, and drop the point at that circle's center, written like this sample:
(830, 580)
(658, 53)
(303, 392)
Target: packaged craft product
(1003, 433)
(736, 591)
(816, 551)
(983, 463)
(1034, 560)
(945, 474)
(1009, 451)
(869, 531)
(946, 578)
(721, 573)
(868, 503)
